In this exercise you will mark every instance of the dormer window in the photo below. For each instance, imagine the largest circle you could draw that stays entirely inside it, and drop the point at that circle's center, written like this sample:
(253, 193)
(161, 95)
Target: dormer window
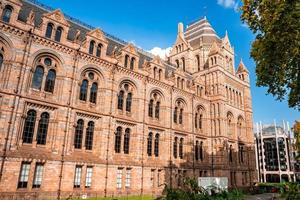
(7, 13)
(92, 45)
(183, 64)
(49, 30)
(132, 62)
(58, 34)
(126, 61)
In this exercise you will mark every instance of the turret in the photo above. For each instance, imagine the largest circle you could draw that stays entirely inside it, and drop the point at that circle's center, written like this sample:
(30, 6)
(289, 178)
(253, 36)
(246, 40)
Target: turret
(242, 72)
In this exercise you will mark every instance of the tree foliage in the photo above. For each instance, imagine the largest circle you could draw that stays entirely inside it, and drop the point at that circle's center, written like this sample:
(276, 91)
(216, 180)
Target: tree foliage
(297, 135)
(276, 49)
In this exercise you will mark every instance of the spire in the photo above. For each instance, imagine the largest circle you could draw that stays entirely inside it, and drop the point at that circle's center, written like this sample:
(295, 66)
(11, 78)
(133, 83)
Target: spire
(225, 40)
(242, 67)
(180, 29)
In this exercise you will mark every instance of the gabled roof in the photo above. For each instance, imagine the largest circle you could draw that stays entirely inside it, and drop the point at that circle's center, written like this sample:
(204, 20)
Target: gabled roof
(242, 67)
(214, 49)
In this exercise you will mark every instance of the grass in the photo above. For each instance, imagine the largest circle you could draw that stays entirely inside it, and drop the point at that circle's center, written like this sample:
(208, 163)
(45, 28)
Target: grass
(124, 198)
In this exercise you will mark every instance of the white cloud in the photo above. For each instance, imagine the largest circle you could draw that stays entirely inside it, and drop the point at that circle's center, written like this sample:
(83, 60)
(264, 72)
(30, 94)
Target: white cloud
(162, 53)
(229, 4)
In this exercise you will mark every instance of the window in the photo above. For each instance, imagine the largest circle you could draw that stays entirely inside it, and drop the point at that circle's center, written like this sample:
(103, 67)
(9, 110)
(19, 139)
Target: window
(29, 124)
(50, 81)
(38, 77)
(23, 178)
(83, 90)
(89, 136)
(41, 136)
(118, 137)
(158, 177)
(197, 150)
(1, 60)
(126, 61)
(150, 109)
(93, 93)
(175, 147)
(201, 151)
(77, 177)
(120, 100)
(177, 63)
(241, 152)
(156, 145)
(198, 62)
(183, 64)
(128, 102)
(119, 178)
(180, 116)
(152, 177)
(175, 115)
(88, 176)
(157, 110)
(198, 118)
(78, 134)
(49, 30)
(58, 34)
(154, 72)
(128, 178)
(230, 153)
(7, 14)
(132, 62)
(126, 141)
(98, 51)
(38, 175)
(149, 144)
(181, 148)
(92, 45)
(159, 74)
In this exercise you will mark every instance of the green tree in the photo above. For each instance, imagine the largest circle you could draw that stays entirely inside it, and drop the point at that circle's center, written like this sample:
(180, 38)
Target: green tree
(276, 49)
(297, 135)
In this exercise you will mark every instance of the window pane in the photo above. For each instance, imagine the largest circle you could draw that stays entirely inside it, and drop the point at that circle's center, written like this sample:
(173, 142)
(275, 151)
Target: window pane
(58, 34)
(42, 129)
(77, 178)
(29, 126)
(98, 52)
(50, 81)
(49, 30)
(89, 136)
(88, 178)
(91, 49)
(156, 145)
(157, 108)
(119, 178)
(126, 141)
(118, 140)
(6, 14)
(128, 178)
(23, 179)
(128, 102)
(93, 94)
(120, 100)
(38, 175)
(149, 145)
(38, 77)
(83, 90)
(78, 134)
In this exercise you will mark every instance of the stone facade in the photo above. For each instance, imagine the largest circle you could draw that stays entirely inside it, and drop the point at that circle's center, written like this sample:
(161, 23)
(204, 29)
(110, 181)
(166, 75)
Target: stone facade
(83, 112)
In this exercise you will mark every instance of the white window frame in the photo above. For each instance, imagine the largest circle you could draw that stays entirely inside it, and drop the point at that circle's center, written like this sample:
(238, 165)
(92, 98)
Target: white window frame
(38, 175)
(88, 176)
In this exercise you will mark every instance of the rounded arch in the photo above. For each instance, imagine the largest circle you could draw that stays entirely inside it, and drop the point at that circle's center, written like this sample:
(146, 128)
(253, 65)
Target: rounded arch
(7, 47)
(200, 107)
(230, 115)
(126, 80)
(158, 91)
(92, 68)
(44, 53)
(180, 100)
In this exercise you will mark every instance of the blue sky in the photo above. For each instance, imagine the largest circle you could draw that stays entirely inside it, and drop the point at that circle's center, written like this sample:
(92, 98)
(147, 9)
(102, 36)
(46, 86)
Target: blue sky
(150, 24)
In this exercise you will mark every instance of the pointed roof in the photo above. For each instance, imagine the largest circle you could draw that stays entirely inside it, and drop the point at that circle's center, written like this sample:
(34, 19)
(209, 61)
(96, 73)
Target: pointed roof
(225, 40)
(242, 68)
(58, 16)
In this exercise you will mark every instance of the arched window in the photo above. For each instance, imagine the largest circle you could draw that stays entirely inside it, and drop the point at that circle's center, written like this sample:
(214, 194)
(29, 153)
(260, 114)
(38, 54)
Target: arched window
(175, 115)
(180, 116)
(198, 62)
(175, 144)
(118, 138)
(177, 63)
(49, 30)
(197, 150)
(126, 61)
(182, 83)
(230, 125)
(183, 64)
(50, 81)
(230, 153)
(159, 74)
(156, 145)
(178, 82)
(29, 125)
(126, 141)
(92, 46)
(149, 144)
(157, 108)
(58, 34)
(78, 134)
(241, 152)
(240, 126)
(98, 51)
(128, 102)
(83, 90)
(93, 93)
(196, 120)
(1, 60)
(89, 136)
(38, 77)
(132, 62)
(154, 72)
(120, 100)
(42, 129)
(181, 148)
(200, 121)
(150, 108)
(7, 14)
